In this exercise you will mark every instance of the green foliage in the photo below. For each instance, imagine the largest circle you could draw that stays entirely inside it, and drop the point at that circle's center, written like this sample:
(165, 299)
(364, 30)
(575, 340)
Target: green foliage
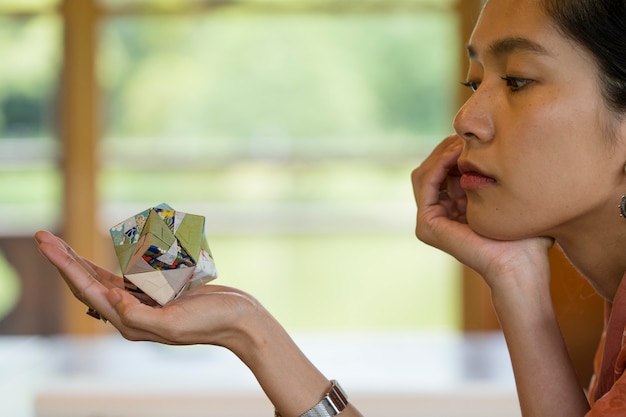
(236, 108)
(365, 281)
(28, 74)
(325, 83)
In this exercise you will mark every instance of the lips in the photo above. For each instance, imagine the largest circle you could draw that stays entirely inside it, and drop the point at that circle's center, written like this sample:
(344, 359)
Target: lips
(473, 178)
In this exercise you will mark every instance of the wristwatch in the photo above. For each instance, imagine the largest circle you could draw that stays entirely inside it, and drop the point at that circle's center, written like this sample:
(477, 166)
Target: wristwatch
(333, 403)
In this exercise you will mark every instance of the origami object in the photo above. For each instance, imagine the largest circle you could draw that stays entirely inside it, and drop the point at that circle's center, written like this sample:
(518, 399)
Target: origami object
(163, 252)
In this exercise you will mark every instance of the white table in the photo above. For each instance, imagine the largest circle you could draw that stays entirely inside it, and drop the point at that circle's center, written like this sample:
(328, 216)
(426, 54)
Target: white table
(399, 374)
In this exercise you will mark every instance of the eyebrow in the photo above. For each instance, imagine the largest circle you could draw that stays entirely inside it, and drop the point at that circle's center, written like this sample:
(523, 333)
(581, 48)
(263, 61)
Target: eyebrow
(507, 46)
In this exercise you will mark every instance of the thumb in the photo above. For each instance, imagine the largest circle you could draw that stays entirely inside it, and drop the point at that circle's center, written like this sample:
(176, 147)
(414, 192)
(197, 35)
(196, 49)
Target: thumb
(114, 296)
(120, 299)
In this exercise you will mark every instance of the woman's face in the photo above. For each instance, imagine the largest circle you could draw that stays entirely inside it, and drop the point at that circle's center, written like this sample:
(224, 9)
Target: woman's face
(542, 154)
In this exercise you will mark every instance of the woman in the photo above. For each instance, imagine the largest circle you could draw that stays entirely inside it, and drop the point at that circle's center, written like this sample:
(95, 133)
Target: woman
(539, 156)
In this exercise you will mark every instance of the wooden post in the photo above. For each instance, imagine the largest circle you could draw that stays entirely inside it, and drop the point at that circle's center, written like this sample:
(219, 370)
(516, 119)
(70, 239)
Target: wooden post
(79, 130)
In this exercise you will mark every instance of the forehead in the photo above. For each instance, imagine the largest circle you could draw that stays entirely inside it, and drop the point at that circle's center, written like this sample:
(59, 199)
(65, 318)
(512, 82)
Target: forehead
(524, 20)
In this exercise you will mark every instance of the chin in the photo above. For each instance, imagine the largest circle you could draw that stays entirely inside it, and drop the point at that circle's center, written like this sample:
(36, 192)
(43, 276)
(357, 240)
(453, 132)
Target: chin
(487, 227)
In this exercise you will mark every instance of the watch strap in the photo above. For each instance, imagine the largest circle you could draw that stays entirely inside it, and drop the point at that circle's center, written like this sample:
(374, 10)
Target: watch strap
(333, 403)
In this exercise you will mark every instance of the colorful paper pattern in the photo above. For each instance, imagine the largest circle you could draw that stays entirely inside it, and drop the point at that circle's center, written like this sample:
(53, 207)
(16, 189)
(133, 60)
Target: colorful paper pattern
(163, 252)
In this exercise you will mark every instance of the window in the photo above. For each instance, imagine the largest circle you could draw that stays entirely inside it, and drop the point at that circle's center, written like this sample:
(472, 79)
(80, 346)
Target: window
(30, 180)
(294, 131)
(30, 183)
(292, 126)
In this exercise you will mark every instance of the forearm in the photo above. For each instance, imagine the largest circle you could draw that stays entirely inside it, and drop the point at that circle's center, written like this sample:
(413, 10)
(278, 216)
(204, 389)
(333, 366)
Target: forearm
(546, 381)
(291, 382)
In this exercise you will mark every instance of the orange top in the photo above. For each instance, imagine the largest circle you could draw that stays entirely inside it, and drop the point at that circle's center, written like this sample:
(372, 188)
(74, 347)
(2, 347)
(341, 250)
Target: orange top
(607, 391)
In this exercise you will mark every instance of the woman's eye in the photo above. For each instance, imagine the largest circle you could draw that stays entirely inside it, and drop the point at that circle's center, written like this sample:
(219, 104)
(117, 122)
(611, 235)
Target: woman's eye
(516, 84)
(472, 85)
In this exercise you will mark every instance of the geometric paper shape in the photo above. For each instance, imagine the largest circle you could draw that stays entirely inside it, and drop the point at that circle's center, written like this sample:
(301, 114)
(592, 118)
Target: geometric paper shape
(163, 252)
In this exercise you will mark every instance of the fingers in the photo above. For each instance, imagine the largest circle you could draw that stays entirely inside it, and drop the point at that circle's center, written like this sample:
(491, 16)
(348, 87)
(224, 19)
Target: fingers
(135, 320)
(458, 198)
(106, 278)
(441, 220)
(210, 314)
(436, 179)
(86, 281)
(66, 261)
(95, 287)
(103, 292)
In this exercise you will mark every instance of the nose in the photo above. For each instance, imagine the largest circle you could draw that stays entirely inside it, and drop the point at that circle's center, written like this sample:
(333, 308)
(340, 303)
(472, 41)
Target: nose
(474, 120)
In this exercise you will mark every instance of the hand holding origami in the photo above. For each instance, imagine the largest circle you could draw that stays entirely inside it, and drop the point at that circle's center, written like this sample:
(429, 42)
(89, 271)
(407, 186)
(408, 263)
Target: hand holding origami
(207, 314)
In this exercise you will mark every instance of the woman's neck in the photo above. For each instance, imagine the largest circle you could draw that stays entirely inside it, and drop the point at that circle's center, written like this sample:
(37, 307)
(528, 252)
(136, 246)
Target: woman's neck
(600, 256)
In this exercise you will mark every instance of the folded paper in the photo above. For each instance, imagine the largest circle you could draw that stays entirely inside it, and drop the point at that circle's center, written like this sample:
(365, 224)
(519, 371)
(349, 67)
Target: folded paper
(163, 252)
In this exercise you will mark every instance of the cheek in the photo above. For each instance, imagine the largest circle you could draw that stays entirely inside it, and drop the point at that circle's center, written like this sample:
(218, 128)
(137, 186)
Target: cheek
(553, 165)
(528, 199)
(498, 212)
(542, 201)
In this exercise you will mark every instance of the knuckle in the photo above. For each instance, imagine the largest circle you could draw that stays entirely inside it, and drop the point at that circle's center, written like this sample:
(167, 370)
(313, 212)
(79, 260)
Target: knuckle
(417, 174)
(426, 230)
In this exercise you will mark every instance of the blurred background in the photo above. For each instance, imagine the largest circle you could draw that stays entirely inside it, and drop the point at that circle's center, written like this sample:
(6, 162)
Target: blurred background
(292, 126)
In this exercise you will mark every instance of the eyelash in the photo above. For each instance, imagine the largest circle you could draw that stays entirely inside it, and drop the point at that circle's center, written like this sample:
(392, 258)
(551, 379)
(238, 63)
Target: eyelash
(472, 85)
(515, 84)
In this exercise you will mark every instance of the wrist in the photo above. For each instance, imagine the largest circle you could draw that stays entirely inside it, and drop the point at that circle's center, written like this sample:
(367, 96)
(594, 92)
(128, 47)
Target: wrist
(291, 382)
(527, 286)
(529, 303)
(334, 401)
(252, 330)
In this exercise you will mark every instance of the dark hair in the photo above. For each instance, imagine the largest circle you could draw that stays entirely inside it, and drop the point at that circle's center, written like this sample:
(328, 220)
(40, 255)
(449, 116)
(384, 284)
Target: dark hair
(600, 27)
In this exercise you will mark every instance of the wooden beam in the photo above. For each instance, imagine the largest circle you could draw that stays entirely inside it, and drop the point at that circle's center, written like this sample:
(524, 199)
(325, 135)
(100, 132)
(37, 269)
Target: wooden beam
(79, 131)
